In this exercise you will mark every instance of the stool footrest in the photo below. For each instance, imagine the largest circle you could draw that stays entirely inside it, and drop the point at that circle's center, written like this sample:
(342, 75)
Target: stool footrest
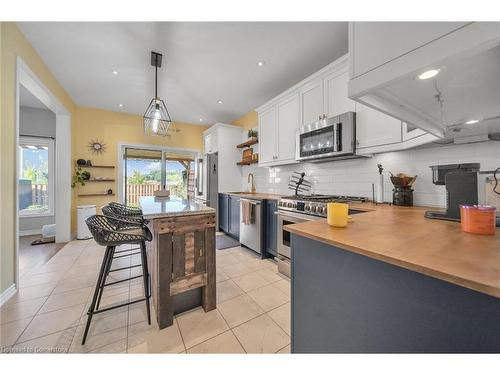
(121, 281)
(125, 250)
(126, 268)
(126, 255)
(117, 306)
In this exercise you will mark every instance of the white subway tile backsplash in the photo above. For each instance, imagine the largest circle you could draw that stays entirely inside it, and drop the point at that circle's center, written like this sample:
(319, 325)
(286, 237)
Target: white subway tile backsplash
(355, 177)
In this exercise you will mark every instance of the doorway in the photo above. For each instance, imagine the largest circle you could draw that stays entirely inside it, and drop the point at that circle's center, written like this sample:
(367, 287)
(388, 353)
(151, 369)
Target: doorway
(43, 170)
(146, 169)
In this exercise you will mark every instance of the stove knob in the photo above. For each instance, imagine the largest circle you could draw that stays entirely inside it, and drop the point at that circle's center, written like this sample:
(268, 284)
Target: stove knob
(313, 208)
(321, 210)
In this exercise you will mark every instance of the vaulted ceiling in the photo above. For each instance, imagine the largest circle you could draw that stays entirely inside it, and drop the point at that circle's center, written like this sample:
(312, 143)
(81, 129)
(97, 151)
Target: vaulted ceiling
(203, 62)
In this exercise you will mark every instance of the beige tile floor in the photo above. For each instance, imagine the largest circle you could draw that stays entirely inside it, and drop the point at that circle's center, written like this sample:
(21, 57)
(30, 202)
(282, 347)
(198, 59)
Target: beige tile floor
(48, 314)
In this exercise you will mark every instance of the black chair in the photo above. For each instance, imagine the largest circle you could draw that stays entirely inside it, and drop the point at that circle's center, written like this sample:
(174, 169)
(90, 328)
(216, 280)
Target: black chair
(112, 232)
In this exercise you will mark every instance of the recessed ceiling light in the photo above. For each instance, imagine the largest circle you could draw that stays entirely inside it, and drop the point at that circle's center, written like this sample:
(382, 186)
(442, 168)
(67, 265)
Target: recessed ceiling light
(115, 72)
(428, 74)
(219, 101)
(261, 63)
(201, 120)
(120, 105)
(470, 122)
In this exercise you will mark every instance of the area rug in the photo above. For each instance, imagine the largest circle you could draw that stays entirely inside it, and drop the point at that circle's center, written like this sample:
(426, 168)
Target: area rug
(223, 241)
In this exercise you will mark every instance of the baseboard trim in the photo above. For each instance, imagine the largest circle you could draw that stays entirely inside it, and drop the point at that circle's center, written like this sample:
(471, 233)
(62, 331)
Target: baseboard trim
(7, 294)
(29, 232)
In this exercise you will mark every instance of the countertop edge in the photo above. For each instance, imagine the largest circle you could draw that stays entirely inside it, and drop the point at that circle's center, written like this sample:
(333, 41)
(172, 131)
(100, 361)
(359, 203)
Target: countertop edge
(454, 279)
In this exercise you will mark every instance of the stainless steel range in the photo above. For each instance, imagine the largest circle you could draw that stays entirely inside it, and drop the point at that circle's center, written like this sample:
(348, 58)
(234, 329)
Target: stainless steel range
(300, 208)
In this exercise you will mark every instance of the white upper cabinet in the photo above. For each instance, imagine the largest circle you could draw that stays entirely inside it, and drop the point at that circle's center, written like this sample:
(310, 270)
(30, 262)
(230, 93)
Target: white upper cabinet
(288, 112)
(336, 100)
(268, 142)
(210, 142)
(375, 129)
(311, 97)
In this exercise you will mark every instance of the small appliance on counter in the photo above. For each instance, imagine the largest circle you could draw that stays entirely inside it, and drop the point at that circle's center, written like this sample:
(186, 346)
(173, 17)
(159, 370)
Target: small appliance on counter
(402, 194)
(461, 188)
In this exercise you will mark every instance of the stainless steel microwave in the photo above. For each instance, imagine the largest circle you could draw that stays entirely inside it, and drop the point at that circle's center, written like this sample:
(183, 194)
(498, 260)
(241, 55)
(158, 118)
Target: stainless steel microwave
(329, 138)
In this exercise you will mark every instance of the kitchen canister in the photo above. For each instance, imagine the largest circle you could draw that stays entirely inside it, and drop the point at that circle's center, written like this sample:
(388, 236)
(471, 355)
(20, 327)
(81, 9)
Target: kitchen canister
(478, 219)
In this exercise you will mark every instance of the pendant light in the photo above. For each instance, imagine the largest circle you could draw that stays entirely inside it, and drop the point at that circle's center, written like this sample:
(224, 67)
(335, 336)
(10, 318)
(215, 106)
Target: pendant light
(157, 120)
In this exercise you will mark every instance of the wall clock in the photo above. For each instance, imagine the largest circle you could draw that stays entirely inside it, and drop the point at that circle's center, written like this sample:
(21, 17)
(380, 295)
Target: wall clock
(97, 146)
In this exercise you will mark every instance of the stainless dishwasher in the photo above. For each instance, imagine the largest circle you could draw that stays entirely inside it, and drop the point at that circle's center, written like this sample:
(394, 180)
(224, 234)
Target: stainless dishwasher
(250, 233)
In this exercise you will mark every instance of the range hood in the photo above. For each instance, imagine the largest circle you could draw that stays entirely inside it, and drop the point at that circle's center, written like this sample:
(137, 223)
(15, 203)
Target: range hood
(462, 99)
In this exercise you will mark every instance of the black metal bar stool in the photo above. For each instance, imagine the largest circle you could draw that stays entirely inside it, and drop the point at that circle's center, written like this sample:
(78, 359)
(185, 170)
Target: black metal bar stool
(112, 232)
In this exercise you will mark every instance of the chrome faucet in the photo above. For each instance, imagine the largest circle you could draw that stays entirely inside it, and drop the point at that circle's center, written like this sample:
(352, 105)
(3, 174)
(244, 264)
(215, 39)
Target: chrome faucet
(252, 186)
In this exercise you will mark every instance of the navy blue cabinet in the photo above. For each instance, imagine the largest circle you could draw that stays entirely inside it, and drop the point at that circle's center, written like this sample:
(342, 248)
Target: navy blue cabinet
(224, 212)
(271, 227)
(234, 217)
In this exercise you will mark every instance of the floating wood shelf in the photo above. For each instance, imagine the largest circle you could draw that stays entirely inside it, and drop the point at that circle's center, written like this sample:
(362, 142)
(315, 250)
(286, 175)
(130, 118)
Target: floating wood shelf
(250, 142)
(96, 195)
(247, 162)
(101, 180)
(95, 166)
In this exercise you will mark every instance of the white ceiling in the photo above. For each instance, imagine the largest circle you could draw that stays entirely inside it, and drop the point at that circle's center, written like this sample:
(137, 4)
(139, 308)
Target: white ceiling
(202, 62)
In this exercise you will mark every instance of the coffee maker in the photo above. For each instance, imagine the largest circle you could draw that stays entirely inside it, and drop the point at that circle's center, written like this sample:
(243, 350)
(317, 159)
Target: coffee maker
(461, 188)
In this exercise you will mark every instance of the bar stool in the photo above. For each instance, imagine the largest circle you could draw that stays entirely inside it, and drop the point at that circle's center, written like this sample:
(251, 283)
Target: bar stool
(112, 232)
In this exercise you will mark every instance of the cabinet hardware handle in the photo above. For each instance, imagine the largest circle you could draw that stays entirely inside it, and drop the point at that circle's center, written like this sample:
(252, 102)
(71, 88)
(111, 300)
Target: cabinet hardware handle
(201, 252)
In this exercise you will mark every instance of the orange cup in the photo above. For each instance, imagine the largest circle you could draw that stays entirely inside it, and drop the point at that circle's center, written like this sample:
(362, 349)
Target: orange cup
(478, 219)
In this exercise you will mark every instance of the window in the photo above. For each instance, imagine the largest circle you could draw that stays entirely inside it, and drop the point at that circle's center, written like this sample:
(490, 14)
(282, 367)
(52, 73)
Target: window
(36, 176)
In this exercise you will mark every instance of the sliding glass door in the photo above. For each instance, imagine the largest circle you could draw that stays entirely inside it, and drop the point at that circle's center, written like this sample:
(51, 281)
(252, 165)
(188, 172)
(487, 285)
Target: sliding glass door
(148, 170)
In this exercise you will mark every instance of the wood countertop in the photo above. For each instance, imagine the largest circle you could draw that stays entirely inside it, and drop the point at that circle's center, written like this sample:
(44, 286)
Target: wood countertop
(257, 195)
(402, 236)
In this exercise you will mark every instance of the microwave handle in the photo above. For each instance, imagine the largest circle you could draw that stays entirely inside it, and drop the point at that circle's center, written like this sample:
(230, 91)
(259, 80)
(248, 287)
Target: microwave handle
(335, 138)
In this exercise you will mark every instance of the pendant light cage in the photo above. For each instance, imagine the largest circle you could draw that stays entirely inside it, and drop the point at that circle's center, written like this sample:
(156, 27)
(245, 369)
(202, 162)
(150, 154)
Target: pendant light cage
(157, 120)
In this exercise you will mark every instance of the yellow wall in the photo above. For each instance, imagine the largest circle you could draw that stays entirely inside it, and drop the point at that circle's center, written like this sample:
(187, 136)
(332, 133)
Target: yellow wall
(13, 44)
(247, 121)
(113, 128)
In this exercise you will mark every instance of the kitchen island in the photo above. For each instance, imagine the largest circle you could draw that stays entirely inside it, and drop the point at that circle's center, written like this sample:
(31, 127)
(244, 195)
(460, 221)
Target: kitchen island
(393, 281)
(181, 256)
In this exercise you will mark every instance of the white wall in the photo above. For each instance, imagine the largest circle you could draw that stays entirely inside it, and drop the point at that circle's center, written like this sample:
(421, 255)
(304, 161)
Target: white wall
(36, 122)
(355, 177)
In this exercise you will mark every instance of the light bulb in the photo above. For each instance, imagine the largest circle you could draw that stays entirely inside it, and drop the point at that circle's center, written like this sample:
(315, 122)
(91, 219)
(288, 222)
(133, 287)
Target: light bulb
(156, 121)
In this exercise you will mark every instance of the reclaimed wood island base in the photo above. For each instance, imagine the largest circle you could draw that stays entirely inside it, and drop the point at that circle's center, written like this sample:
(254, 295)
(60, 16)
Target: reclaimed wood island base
(181, 256)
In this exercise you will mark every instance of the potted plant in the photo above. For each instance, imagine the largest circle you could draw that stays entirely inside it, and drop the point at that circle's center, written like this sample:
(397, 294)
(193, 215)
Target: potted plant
(80, 177)
(253, 133)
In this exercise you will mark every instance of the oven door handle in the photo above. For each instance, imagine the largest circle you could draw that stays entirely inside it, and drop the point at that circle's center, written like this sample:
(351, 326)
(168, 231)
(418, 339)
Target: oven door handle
(291, 216)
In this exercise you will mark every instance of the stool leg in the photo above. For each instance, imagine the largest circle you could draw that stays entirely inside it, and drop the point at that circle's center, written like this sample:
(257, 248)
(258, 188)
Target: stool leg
(105, 276)
(145, 275)
(91, 310)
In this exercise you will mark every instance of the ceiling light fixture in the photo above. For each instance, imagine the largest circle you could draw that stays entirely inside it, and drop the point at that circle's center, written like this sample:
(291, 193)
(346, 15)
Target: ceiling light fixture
(428, 74)
(261, 63)
(201, 120)
(115, 72)
(156, 118)
(470, 122)
(219, 101)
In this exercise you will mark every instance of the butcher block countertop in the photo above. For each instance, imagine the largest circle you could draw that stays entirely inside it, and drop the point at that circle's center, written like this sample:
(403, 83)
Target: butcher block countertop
(402, 236)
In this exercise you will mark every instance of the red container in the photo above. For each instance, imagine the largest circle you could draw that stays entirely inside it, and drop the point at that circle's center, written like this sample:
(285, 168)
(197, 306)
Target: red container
(478, 219)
